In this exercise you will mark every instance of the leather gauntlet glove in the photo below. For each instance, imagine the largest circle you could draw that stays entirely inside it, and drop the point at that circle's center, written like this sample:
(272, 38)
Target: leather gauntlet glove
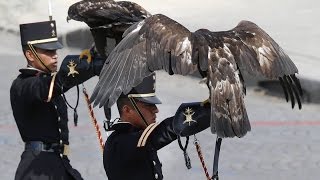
(75, 69)
(191, 118)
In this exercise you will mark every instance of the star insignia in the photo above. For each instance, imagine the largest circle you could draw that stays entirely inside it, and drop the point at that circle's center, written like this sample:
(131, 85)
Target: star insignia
(188, 113)
(72, 68)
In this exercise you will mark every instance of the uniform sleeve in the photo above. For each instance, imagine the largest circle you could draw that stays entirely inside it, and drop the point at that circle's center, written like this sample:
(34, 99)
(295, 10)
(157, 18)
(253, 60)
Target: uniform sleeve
(127, 144)
(33, 88)
(44, 87)
(74, 71)
(157, 136)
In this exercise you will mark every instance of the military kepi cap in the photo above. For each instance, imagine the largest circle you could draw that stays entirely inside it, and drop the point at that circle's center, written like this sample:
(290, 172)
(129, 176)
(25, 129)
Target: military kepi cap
(40, 34)
(145, 91)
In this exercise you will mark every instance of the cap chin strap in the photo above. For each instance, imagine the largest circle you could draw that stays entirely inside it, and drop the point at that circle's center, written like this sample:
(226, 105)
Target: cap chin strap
(133, 102)
(34, 52)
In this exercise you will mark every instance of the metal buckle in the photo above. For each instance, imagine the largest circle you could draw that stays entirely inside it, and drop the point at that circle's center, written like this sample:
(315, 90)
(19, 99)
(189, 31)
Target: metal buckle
(66, 150)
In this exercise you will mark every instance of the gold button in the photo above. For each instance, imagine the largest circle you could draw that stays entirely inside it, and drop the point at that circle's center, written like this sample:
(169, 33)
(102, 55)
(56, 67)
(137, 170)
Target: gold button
(156, 176)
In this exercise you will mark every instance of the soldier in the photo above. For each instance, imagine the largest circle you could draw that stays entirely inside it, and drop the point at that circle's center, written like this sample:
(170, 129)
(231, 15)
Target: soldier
(38, 106)
(131, 150)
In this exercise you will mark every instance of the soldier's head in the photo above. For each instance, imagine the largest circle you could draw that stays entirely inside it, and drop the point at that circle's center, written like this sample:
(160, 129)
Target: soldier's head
(39, 44)
(138, 107)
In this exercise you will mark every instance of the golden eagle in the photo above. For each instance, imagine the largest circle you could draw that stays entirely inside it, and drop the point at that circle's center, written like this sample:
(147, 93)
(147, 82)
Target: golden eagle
(158, 42)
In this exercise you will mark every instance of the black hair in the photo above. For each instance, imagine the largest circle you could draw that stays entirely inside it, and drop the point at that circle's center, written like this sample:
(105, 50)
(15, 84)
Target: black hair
(24, 49)
(122, 102)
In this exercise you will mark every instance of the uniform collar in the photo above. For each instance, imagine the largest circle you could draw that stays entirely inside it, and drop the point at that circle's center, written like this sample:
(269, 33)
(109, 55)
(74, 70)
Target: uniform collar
(124, 126)
(29, 70)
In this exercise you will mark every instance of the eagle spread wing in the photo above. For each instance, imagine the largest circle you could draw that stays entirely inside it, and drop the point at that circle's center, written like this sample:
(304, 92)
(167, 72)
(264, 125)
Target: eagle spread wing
(159, 42)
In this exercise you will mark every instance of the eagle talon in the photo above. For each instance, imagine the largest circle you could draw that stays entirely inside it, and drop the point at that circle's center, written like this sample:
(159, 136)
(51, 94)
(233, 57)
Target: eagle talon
(86, 52)
(205, 102)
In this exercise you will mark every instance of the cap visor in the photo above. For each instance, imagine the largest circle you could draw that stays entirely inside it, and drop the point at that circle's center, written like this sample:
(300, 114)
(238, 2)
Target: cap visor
(49, 45)
(150, 100)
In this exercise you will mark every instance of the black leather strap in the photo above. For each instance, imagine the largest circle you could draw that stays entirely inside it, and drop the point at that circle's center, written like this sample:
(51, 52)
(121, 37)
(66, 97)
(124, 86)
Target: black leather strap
(133, 102)
(75, 114)
(185, 153)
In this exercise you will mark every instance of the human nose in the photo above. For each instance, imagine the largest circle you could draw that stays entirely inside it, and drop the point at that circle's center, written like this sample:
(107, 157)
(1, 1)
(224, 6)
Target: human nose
(155, 110)
(55, 54)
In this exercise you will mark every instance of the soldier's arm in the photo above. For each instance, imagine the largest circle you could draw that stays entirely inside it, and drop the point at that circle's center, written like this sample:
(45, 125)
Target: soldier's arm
(189, 119)
(33, 88)
(75, 70)
(158, 135)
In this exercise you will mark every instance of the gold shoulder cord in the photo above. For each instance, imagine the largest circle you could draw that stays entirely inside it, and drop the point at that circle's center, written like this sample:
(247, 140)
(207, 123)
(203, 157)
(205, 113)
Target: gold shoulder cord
(30, 44)
(51, 86)
(93, 118)
(200, 155)
(37, 56)
(144, 141)
(144, 133)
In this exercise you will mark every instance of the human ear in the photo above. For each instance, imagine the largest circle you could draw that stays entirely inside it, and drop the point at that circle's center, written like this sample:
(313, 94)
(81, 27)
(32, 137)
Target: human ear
(29, 55)
(126, 109)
